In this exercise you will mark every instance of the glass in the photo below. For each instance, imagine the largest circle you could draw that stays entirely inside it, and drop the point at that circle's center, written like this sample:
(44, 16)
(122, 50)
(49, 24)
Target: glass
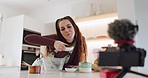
(34, 69)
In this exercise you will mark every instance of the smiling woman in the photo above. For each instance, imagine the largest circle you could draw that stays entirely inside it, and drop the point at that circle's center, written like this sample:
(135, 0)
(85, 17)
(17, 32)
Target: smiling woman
(68, 35)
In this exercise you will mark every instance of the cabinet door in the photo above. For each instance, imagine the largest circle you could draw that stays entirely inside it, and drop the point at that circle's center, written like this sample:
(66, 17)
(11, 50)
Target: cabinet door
(92, 29)
(12, 39)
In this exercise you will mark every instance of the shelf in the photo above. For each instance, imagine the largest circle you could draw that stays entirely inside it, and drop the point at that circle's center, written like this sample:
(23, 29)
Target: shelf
(25, 45)
(28, 51)
(96, 17)
(98, 39)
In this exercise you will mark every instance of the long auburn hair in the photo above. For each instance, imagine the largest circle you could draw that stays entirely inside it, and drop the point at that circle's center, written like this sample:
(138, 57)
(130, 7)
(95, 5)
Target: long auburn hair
(78, 38)
(77, 31)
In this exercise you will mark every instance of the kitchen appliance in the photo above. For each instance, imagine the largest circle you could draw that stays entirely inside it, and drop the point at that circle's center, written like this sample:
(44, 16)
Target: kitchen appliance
(29, 50)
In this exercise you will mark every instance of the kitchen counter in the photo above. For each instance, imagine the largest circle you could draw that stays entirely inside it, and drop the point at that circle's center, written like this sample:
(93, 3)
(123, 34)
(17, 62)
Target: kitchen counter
(14, 72)
(50, 74)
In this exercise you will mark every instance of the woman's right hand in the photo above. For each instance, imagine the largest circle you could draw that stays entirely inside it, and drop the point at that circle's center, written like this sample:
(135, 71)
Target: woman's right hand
(59, 45)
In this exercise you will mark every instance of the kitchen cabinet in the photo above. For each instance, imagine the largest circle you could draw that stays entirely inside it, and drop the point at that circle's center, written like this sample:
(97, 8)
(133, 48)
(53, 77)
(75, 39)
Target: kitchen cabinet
(94, 26)
(94, 29)
(13, 37)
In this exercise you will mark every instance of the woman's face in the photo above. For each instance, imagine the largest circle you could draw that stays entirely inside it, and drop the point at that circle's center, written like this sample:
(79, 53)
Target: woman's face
(67, 30)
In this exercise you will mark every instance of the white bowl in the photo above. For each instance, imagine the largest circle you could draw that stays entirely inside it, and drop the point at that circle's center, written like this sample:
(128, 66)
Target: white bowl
(69, 48)
(70, 69)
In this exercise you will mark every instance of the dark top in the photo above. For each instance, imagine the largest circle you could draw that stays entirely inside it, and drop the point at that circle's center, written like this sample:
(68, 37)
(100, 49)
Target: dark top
(49, 40)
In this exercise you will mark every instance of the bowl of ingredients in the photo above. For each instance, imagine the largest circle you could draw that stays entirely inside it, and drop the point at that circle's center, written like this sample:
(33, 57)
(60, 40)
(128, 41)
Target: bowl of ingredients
(70, 69)
(85, 67)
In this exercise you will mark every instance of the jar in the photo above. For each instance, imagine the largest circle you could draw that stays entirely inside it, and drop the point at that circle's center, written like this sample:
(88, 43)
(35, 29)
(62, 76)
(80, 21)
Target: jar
(85, 67)
(34, 69)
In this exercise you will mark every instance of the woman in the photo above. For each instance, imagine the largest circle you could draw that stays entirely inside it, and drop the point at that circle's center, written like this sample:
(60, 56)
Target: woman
(68, 34)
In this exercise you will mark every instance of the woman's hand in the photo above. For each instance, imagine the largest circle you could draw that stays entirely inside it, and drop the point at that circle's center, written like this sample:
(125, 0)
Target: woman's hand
(59, 45)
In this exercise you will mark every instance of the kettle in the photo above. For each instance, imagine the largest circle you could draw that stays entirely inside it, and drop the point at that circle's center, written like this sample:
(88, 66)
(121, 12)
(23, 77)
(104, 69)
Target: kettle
(2, 63)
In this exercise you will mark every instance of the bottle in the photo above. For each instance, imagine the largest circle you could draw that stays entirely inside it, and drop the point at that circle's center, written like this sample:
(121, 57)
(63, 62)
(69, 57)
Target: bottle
(109, 48)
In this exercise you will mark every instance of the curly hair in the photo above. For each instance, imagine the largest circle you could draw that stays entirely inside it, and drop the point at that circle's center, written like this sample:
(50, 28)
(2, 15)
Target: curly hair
(122, 30)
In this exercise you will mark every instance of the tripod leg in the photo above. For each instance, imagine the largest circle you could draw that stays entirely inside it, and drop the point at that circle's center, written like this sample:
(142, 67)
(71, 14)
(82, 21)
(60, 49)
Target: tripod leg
(138, 73)
(121, 74)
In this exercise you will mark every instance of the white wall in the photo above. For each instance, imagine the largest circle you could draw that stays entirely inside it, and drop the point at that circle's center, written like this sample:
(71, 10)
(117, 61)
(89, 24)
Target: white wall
(126, 9)
(142, 17)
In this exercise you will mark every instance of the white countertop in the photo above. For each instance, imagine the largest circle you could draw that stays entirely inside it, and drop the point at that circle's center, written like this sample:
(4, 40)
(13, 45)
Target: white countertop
(50, 74)
(14, 72)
